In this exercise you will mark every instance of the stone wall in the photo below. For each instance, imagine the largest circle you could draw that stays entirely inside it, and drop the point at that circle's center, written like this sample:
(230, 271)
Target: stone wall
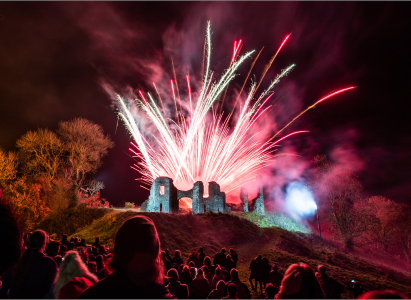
(164, 197)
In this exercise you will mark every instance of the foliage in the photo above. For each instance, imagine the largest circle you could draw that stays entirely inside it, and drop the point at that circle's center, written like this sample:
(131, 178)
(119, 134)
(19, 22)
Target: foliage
(71, 220)
(29, 201)
(8, 167)
(338, 194)
(129, 205)
(40, 153)
(85, 145)
(92, 200)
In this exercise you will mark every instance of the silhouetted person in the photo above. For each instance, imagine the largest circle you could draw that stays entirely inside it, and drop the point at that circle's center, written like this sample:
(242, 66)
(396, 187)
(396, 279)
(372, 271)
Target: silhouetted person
(64, 240)
(355, 287)
(299, 282)
(96, 243)
(82, 243)
(275, 276)
(232, 292)
(186, 278)
(92, 266)
(219, 258)
(265, 271)
(201, 255)
(331, 287)
(256, 267)
(207, 275)
(102, 271)
(70, 246)
(234, 256)
(167, 263)
(207, 262)
(175, 287)
(194, 258)
(177, 259)
(270, 291)
(91, 256)
(193, 272)
(201, 287)
(218, 292)
(138, 272)
(217, 277)
(63, 250)
(386, 294)
(229, 264)
(168, 254)
(52, 249)
(34, 273)
(102, 250)
(242, 290)
(11, 242)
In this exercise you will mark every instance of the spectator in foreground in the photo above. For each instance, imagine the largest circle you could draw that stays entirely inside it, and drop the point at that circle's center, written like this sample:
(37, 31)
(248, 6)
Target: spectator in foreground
(331, 287)
(186, 278)
(96, 243)
(201, 255)
(102, 270)
(387, 294)
(137, 264)
(217, 293)
(64, 240)
(220, 258)
(207, 275)
(177, 260)
(11, 243)
(256, 267)
(34, 273)
(242, 290)
(234, 256)
(232, 292)
(299, 282)
(166, 261)
(200, 287)
(52, 249)
(73, 277)
(275, 276)
(175, 287)
(270, 291)
(207, 262)
(217, 277)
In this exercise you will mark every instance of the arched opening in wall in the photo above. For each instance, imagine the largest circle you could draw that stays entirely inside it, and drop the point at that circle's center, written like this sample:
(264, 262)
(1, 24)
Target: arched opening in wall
(205, 208)
(161, 207)
(185, 206)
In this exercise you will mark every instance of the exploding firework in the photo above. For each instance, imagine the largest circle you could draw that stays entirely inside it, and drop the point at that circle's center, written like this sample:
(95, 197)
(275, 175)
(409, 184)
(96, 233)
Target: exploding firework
(199, 145)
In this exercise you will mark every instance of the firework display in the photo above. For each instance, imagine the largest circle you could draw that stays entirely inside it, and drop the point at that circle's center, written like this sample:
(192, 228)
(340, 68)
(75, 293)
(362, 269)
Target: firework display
(199, 144)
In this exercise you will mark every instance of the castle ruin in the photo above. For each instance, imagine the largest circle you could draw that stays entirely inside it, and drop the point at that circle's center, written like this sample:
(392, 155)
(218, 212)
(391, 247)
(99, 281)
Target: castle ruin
(165, 197)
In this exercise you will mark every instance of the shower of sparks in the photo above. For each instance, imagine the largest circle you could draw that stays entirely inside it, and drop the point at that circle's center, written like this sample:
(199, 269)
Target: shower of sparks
(201, 148)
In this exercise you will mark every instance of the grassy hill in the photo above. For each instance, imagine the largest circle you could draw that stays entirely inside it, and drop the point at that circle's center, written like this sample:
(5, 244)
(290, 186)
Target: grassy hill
(238, 230)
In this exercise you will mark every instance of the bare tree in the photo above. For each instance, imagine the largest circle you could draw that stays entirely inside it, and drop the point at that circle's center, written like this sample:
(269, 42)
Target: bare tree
(85, 145)
(338, 194)
(41, 153)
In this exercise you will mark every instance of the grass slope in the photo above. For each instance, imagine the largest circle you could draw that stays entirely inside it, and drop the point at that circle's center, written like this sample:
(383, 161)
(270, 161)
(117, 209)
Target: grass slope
(214, 231)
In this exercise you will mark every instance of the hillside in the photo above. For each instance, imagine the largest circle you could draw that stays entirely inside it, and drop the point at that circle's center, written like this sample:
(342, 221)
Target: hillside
(214, 231)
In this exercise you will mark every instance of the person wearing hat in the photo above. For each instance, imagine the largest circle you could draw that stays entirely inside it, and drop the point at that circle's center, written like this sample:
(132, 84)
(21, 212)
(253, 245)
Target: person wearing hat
(137, 264)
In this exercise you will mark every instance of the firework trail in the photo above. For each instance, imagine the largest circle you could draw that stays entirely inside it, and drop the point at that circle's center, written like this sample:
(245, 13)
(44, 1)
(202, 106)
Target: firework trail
(201, 148)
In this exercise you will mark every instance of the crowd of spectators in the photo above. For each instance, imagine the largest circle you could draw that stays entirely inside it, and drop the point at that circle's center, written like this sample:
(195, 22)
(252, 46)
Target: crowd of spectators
(137, 268)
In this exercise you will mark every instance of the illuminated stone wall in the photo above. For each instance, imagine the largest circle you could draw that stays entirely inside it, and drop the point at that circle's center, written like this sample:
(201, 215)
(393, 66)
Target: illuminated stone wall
(164, 197)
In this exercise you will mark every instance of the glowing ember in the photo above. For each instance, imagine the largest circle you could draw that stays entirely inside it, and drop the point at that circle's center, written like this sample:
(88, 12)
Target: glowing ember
(198, 148)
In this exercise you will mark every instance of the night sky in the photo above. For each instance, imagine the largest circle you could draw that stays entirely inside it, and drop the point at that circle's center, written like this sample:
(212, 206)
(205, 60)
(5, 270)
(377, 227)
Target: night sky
(54, 56)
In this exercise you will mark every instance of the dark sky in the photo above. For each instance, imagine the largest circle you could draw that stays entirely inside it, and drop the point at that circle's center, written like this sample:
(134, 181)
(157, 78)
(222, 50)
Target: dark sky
(54, 55)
